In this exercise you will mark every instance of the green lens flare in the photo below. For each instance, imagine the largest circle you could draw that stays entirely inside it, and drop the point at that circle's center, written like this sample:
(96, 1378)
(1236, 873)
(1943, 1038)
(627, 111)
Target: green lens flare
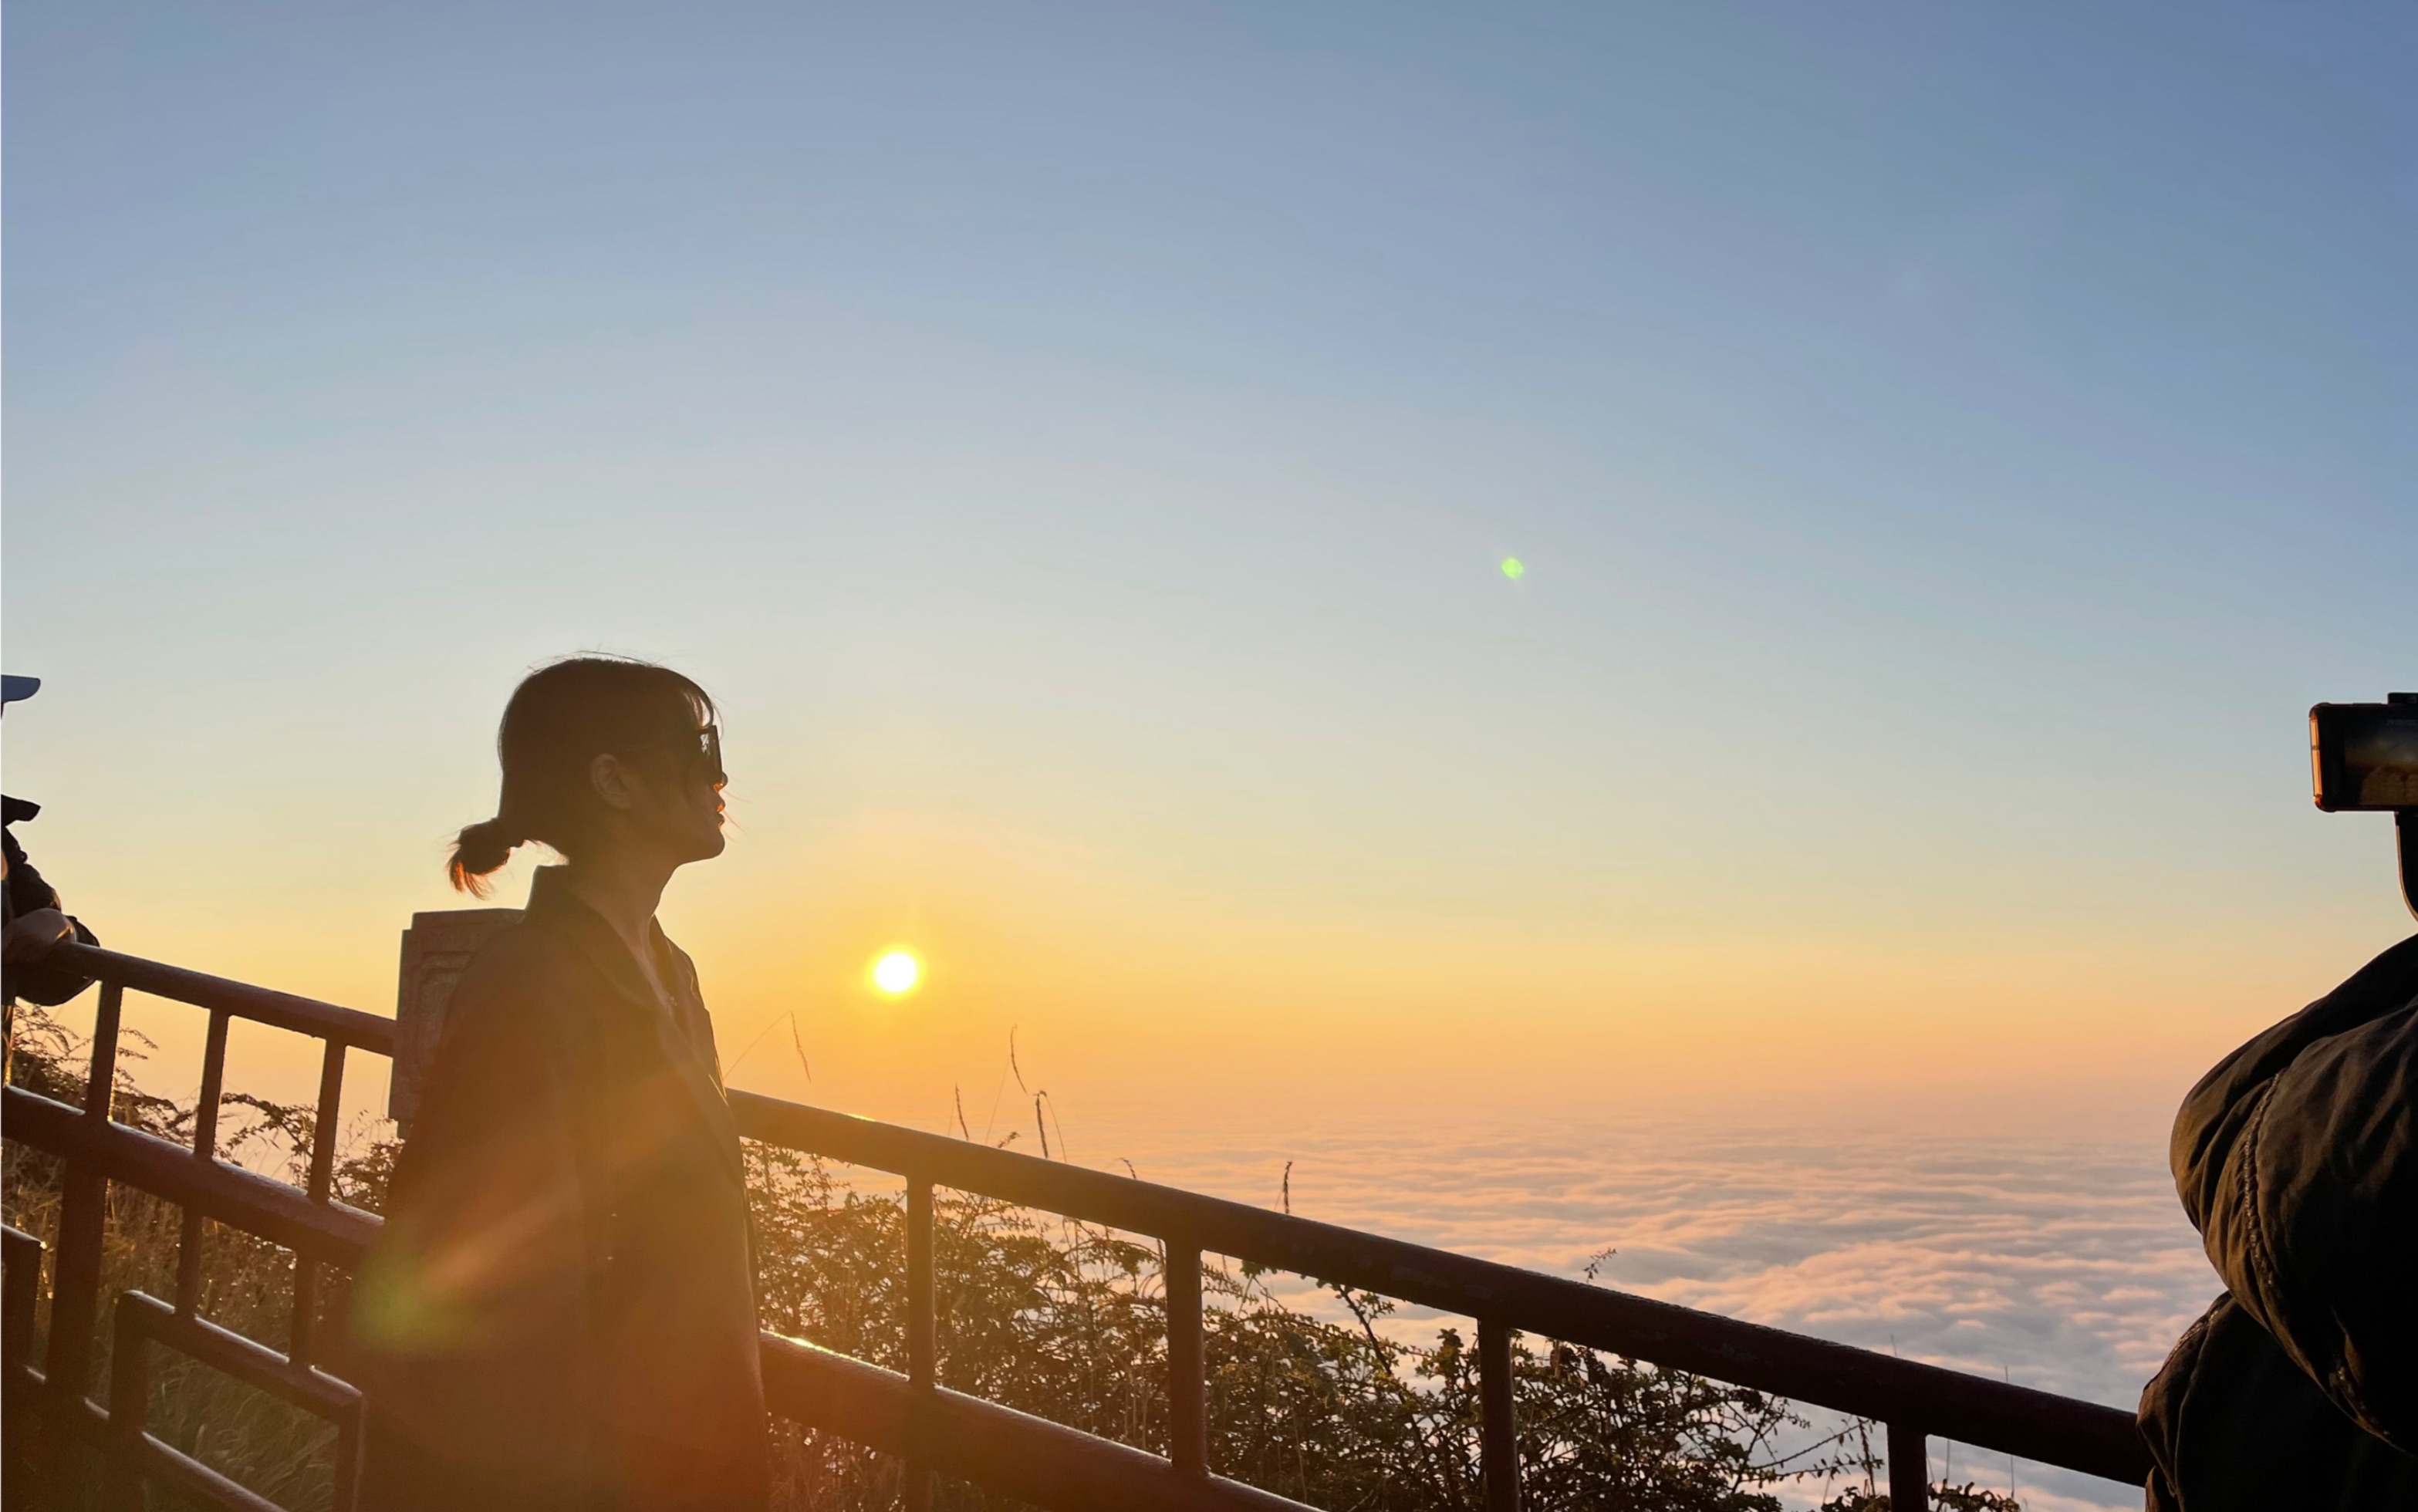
(1514, 569)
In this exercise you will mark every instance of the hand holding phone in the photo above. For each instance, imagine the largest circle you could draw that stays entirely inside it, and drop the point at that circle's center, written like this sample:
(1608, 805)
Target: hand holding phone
(2364, 757)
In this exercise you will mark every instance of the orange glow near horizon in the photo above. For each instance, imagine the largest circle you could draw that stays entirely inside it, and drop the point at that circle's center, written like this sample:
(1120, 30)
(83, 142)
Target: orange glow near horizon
(1142, 990)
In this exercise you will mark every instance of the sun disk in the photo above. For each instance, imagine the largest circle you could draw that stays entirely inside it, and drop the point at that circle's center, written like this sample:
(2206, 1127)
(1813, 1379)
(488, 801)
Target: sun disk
(896, 973)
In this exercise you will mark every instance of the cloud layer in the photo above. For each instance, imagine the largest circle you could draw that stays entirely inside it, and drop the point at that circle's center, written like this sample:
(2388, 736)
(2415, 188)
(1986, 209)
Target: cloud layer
(2061, 1265)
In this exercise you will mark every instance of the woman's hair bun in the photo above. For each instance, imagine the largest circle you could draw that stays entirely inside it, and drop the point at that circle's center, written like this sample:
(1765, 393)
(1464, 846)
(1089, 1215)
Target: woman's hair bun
(477, 850)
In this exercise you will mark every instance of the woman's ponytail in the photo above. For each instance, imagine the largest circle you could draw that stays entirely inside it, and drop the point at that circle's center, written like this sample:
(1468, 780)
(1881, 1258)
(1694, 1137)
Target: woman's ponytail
(477, 850)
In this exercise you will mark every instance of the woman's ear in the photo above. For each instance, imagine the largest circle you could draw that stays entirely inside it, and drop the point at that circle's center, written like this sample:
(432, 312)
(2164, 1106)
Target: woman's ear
(614, 782)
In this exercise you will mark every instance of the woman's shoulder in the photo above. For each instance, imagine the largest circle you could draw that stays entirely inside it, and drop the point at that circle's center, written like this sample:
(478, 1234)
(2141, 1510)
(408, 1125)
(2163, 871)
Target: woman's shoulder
(518, 979)
(518, 954)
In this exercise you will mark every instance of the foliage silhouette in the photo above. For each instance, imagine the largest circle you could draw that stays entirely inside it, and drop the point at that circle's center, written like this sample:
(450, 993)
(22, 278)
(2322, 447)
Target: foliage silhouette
(1060, 1318)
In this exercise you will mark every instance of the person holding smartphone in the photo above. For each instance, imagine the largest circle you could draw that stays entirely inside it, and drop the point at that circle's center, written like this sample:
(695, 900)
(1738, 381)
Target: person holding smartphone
(32, 918)
(2297, 1160)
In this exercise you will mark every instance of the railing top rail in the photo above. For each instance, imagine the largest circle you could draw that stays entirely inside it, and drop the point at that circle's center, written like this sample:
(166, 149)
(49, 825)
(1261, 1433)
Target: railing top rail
(1995, 1414)
(241, 1000)
(245, 1200)
(2036, 1425)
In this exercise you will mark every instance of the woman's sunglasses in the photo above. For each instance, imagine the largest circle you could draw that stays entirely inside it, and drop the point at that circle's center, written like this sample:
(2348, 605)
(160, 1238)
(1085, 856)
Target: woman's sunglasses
(703, 748)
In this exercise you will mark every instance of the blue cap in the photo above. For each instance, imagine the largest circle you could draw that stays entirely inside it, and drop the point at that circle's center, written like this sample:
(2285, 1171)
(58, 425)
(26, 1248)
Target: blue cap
(14, 687)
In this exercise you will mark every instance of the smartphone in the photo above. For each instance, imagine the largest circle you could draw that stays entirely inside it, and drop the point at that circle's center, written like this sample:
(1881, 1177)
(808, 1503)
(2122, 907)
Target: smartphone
(2365, 755)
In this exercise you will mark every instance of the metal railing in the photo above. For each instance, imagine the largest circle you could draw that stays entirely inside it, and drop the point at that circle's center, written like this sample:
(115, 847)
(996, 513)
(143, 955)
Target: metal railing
(936, 1429)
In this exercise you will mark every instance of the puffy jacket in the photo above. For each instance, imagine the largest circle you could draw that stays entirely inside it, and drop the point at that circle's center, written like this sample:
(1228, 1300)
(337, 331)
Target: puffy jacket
(26, 891)
(2297, 1160)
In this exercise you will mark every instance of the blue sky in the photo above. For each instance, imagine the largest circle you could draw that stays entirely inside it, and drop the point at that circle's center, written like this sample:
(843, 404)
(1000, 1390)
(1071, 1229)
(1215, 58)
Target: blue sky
(1952, 449)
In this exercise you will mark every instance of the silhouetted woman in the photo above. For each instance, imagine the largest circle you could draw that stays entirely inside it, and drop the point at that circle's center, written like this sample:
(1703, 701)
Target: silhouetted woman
(560, 1312)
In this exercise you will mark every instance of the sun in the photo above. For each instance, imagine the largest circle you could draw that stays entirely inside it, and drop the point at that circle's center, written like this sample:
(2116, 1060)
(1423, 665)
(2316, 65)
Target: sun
(896, 973)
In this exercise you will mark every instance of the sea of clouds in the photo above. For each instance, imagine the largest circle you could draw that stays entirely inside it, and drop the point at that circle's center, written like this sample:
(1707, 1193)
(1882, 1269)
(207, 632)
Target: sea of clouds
(2060, 1264)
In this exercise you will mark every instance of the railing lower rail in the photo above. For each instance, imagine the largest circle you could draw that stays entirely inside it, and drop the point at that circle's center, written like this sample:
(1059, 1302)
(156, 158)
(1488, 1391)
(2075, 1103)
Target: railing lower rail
(936, 1429)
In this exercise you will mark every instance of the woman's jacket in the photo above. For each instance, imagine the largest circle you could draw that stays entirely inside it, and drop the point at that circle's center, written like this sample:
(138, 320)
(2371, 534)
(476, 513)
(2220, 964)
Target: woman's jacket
(2297, 1160)
(560, 1311)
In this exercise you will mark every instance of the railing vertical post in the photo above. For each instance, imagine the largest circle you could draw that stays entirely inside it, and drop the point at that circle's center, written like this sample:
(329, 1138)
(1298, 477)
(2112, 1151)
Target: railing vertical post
(1187, 1404)
(206, 1108)
(18, 1400)
(76, 1279)
(1498, 1434)
(21, 1292)
(922, 1341)
(1909, 1465)
(324, 1125)
(306, 1310)
(101, 1082)
(323, 1170)
(206, 1149)
(129, 1406)
(83, 1213)
(348, 1490)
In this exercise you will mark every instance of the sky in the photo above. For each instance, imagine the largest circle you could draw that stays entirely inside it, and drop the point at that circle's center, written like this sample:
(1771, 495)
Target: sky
(1949, 448)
